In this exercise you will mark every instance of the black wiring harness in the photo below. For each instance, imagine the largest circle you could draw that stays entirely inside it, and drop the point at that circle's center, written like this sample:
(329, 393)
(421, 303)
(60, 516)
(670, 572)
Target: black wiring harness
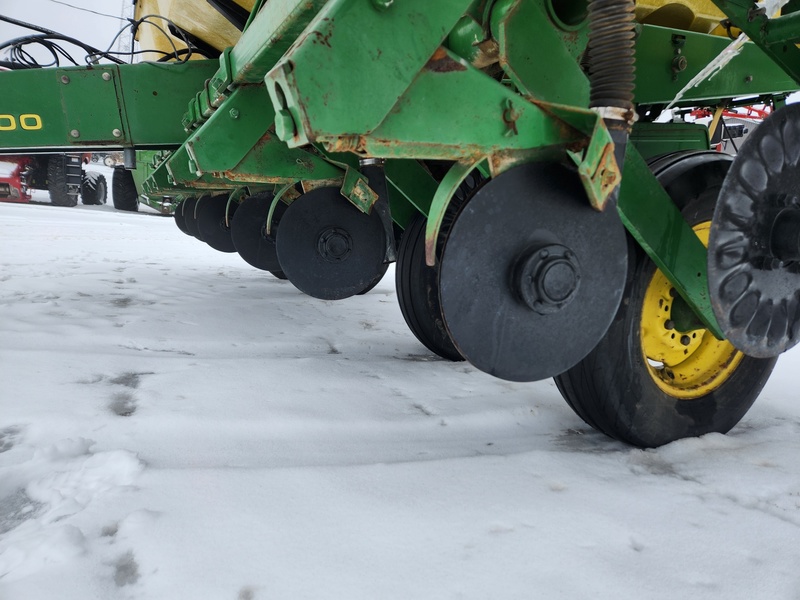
(19, 56)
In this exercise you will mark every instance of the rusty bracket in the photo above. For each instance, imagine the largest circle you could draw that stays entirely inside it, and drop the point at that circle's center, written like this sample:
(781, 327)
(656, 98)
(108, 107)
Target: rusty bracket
(597, 167)
(356, 189)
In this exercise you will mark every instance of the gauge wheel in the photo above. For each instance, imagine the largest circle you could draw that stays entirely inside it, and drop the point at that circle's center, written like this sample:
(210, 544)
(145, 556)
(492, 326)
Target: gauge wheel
(646, 383)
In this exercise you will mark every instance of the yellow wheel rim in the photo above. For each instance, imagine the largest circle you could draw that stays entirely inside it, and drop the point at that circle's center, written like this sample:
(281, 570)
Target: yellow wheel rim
(684, 365)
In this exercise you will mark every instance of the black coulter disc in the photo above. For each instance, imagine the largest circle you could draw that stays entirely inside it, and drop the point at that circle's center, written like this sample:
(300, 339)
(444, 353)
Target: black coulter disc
(328, 248)
(180, 220)
(375, 281)
(249, 232)
(212, 225)
(531, 276)
(190, 211)
(754, 242)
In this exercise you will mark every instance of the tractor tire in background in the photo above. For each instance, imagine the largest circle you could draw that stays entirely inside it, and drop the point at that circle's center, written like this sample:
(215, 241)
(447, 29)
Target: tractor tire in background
(57, 182)
(94, 189)
(123, 190)
(646, 383)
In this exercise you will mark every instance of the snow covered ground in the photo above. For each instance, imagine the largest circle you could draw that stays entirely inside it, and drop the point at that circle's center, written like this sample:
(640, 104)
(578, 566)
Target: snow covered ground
(175, 424)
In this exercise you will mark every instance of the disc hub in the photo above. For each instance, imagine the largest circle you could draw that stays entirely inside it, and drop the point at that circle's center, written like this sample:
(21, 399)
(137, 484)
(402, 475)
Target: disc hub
(335, 245)
(548, 278)
(785, 235)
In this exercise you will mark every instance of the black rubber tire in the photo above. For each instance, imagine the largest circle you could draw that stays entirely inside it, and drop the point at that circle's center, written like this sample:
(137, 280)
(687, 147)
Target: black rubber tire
(417, 287)
(416, 283)
(190, 211)
(94, 189)
(612, 390)
(57, 182)
(123, 190)
(180, 220)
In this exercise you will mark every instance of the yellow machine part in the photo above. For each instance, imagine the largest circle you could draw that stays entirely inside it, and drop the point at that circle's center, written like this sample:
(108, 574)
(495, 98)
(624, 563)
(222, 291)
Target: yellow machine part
(693, 15)
(197, 17)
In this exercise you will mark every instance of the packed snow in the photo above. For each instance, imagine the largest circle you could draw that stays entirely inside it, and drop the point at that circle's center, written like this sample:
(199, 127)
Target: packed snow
(175, 424)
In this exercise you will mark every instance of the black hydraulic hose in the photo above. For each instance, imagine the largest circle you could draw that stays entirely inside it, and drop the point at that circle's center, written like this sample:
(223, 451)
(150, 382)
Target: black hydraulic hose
(612, 68)
(50, 34)
(27, 25)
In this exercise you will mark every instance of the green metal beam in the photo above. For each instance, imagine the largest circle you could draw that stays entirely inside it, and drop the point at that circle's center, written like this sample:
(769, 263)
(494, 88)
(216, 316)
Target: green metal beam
(657, 225)
(522, 54)
(352, 63)
(98, 107)
(655, 139)
(783, 30)
(773, 36)
(426, 122)
(273, 30)
(236, 144)
(662, 71)
(414, 182)
(158, 180)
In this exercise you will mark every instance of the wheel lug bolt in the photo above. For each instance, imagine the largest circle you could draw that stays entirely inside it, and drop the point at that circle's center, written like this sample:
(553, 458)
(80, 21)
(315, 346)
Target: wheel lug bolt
(668, 324)
(672, 292)
(686, 340)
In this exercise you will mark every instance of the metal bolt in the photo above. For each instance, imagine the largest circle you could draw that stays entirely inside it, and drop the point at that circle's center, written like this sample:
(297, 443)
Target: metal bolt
(116, 133)
(672, 292)
(64, 79)
(75, 133)
(668, 324)
(382, 4)
(234, 113)
(748, 79)
(607, 178)
(686, 340)
(106, 76)
(679, 63)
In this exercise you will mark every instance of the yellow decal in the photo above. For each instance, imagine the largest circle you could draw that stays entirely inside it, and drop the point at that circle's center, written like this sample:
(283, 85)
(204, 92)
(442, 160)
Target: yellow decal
(28, 121)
